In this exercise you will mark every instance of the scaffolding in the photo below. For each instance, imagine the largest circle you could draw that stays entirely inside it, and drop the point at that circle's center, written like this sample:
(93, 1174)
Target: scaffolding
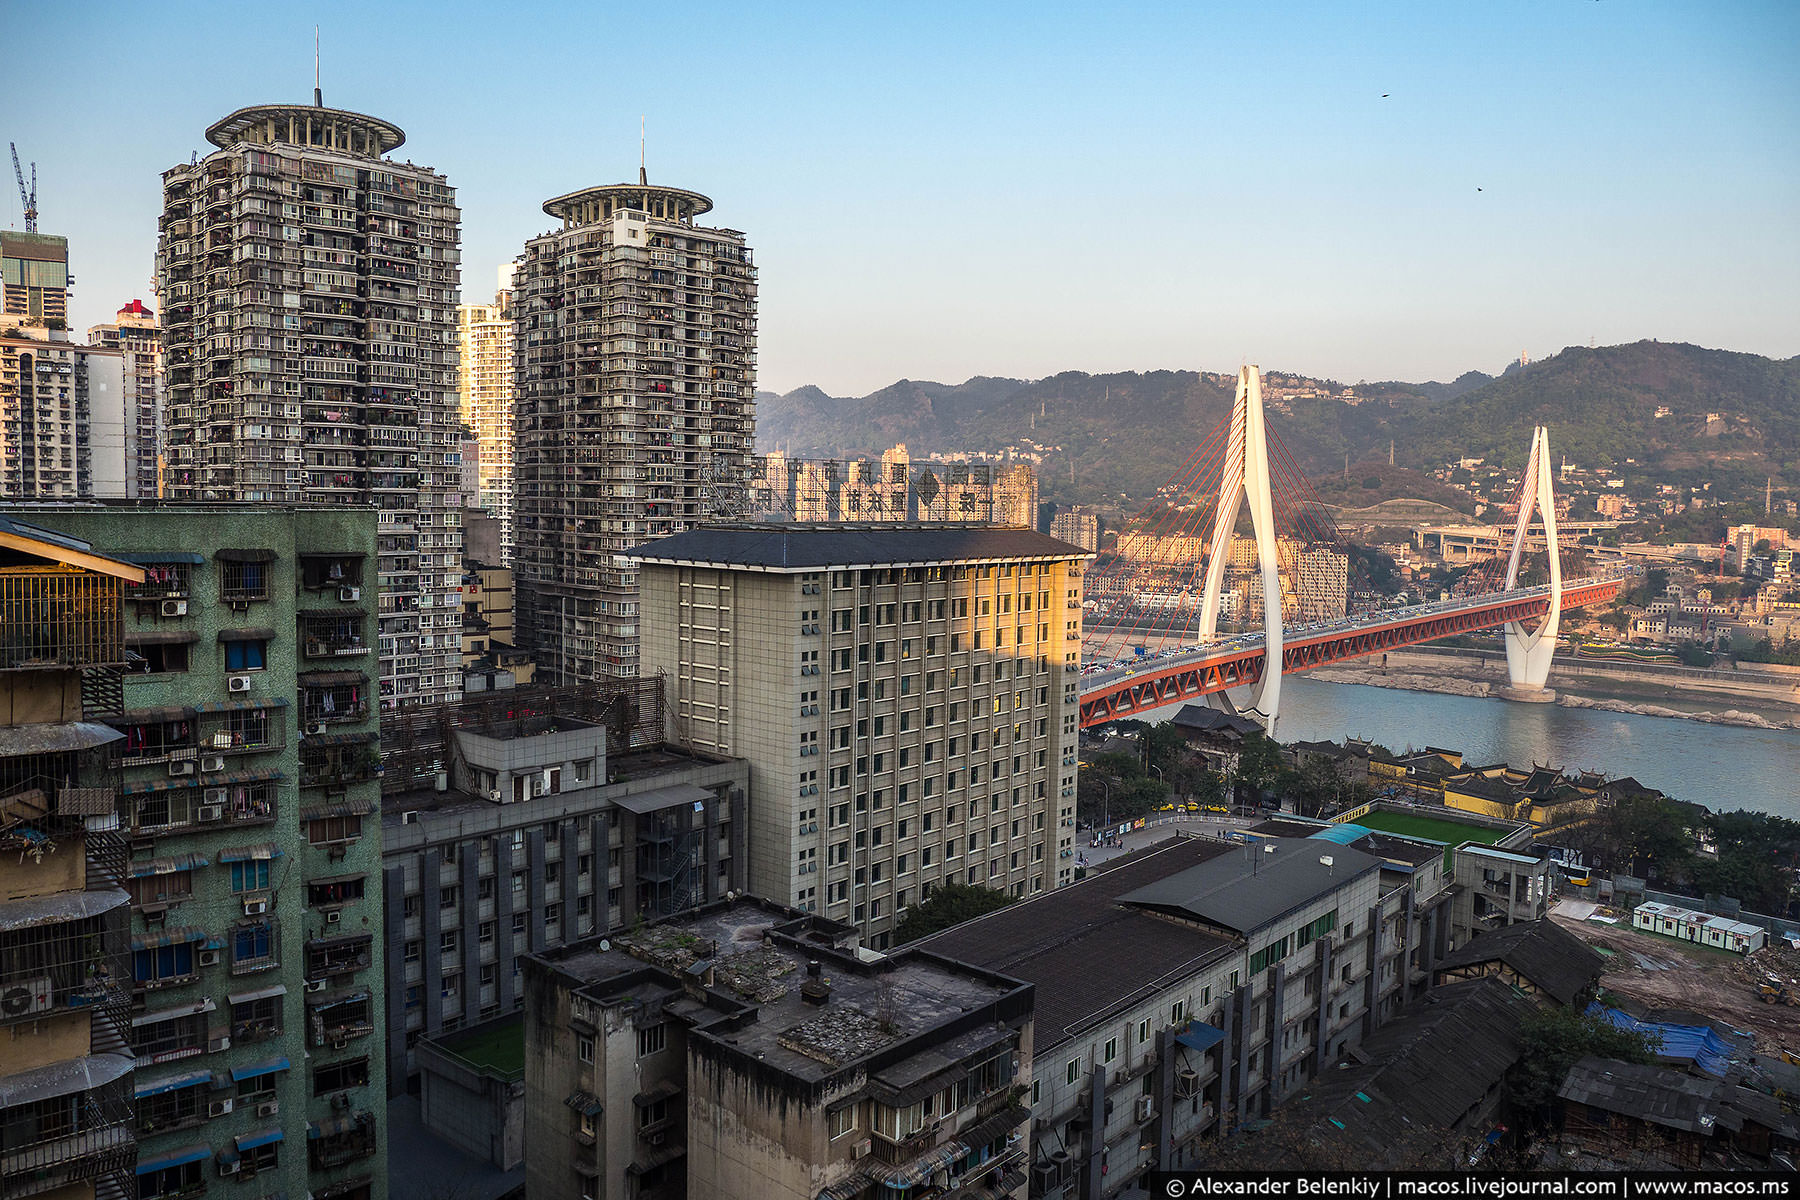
(417, 743)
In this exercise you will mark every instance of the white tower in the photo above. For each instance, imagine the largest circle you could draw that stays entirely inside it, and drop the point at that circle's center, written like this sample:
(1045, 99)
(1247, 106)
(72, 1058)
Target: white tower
(1528, 654)
(1246, 477)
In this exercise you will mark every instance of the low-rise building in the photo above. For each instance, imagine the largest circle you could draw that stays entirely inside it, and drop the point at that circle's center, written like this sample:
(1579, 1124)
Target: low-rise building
(1499, 888)
(749, 1049)
(1538, 959)
(540, 837)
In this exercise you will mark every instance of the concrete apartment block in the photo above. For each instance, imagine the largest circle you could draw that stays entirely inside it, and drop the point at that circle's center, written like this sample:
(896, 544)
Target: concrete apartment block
(250, 764)
(906, 696)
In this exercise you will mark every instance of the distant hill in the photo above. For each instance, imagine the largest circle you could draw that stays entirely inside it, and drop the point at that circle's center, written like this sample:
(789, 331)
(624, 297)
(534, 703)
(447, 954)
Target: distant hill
(1102, 435)
(1366, 484)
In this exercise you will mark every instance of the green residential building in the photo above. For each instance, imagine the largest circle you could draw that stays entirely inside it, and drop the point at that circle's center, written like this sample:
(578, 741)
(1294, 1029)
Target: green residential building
(250, 780)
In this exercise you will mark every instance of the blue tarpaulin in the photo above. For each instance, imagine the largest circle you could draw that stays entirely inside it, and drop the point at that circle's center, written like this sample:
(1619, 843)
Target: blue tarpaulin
(1200, 1036)
(1697, 1044)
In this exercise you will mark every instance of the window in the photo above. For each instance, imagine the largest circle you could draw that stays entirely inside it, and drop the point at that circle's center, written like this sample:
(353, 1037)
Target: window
(584, 1048)
(253, 945)
(243, 581)
(250, 876)
(164, 964)
(327, 831)
(1112, 1049)
(843, 1121)
(246, 655)
(1073, 1072)
(652, 1039)
(160, 658)
(340, 1076)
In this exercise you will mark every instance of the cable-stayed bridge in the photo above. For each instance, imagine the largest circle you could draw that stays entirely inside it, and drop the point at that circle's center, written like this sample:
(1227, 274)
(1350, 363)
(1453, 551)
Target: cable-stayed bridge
(1164, 584)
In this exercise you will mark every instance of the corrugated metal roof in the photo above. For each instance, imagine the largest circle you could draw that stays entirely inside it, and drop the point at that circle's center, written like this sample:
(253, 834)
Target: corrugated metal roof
(1247, 889)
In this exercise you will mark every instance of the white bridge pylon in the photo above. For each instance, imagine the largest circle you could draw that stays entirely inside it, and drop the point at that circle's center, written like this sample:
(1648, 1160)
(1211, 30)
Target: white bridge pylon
(1528, 654)
(1246, 479)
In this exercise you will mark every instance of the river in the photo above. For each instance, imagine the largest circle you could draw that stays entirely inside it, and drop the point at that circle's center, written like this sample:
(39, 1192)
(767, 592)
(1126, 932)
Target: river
(1721, 766)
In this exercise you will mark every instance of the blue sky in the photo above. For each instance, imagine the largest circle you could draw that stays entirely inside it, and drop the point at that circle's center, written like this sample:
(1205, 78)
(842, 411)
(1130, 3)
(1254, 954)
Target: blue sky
(940, 191)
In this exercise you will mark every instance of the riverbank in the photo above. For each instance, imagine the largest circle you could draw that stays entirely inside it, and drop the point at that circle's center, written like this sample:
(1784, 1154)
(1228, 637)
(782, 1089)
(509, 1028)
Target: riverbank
(1718, 697)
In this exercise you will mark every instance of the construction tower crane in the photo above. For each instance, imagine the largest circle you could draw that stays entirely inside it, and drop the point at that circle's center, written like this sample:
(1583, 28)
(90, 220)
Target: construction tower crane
(28, 196)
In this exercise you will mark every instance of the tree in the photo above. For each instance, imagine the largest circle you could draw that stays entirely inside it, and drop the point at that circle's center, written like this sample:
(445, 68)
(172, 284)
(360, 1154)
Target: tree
(1647, 836)
(1554, 1039)
(1259, 765)
(949, 904)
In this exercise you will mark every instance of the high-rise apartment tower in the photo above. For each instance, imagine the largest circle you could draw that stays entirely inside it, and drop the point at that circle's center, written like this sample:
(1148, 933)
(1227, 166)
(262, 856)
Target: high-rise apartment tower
(138, 338)
(309, 291)
(485, 334)
(635, 414)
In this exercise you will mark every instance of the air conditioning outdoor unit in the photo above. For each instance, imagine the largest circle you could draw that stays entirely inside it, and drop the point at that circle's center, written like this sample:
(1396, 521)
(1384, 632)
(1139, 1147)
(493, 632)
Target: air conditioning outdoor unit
(213, 762)
(315, 985)
(208, 958)
(218, 1108)
(214, 796)
(211, 812)
(861, 1148)
(411, 816)
(237, 683)
(268, 1108)
(316, 727)
(177, 769)
(228, 1166)
(339, 1043)
(27, 996)
(255, 908)
(174, 608)
(333, 917)
(348, 594)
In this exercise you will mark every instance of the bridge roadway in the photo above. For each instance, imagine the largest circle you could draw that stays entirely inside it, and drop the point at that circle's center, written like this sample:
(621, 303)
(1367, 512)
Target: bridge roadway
(1132, 687)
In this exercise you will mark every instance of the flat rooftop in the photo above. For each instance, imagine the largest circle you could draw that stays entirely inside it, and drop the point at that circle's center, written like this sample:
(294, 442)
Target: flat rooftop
(871, 1006)
(1256, 884)
(1088, 955)
(621, 768)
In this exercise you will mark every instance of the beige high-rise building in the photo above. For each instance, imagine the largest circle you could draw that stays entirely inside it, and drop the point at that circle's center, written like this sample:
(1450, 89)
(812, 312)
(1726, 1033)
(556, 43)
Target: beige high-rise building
(1322, 592)
(1078, 527)
(907, 696)
(138, 339)
(309, 289)
(635, 408)
(895, 487)
(485, 335)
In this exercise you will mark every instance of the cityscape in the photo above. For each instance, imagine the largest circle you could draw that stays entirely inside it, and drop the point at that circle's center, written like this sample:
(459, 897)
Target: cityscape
(503, 730)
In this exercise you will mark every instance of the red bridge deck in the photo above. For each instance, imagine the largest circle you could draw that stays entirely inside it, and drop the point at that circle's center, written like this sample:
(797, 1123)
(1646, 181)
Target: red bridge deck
(1130, 690)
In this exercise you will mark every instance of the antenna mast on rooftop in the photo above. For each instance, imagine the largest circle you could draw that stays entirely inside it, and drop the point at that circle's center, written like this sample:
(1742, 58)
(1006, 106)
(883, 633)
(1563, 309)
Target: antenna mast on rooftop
(643, 174)
(318, 95)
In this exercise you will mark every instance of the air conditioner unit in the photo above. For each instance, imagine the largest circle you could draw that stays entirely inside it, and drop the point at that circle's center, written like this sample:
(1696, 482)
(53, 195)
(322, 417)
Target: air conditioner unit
(1146, 1108)
(228, 1166)
(411, 816)
(174, 608)
(213, 763)
(349, 594)
(208, 958)
(339, 1043)
(333, 917)
(861, 1148)
(210, 812)
(268, 1108)
(315, 985)
(214, 796)
(218, 1108)
(177, 769)
(1187, 1082)
(29, 996)
(237, 683)
(255, 908)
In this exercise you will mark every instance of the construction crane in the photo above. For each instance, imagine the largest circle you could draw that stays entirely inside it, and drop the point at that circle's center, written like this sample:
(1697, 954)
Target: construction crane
(29, 196)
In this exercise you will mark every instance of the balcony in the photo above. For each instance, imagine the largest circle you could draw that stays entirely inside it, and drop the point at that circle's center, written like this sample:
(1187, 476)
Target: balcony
(64, 1126)
(60, 618)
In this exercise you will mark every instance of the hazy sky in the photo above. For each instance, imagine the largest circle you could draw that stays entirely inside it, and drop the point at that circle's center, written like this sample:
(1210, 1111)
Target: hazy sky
(940, 191)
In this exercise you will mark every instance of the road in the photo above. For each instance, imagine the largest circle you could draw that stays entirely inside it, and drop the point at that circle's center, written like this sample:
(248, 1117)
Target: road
(1164, 827)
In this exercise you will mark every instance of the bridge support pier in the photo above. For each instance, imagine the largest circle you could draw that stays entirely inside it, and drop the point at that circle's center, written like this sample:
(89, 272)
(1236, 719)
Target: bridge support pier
(1528, 654)
(1246, 479)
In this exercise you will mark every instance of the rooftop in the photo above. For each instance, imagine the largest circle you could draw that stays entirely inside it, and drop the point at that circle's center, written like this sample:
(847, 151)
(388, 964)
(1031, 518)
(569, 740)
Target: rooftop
(806, 547)
(1542, 951)
(1246, 890)
(1088, 954)
(1657, 1095)
(644, 763)
(753, 957)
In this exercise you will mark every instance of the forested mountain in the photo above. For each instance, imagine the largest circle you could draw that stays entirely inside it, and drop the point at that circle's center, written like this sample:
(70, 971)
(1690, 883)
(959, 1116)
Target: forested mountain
(1731, 418)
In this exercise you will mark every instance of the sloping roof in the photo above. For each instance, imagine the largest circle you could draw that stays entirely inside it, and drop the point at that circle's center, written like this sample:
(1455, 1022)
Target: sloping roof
(48, 544)
(811, 547)
(1087, 955)
(1672, 1099)
(1421, 1072)
(1246, 890)
(1204, 719)
(1542, 951)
